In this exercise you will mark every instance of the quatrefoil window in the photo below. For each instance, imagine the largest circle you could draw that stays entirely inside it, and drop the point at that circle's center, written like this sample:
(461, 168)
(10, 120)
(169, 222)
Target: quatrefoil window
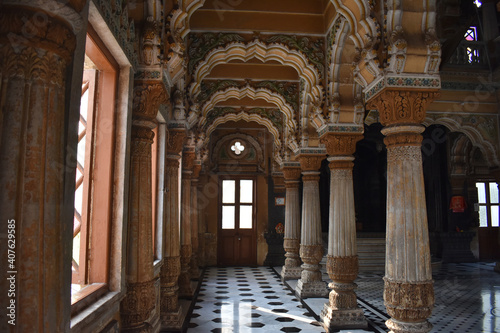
(237, 148)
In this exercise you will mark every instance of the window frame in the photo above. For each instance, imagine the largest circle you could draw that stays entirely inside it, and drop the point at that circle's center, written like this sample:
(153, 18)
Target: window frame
(488, 203)
(99, 176)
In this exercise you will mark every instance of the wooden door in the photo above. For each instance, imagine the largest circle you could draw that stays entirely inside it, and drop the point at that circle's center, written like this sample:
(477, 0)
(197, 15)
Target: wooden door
(237, 244)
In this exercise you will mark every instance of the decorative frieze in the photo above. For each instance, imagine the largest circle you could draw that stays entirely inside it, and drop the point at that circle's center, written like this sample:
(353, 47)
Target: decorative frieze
(122, 28)
(404, 83)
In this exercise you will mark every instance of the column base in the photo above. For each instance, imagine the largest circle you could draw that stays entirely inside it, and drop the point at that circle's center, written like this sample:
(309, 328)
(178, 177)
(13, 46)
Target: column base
(311, 289)
(290, 273)
(144, 328)
(342, 319)
(194, 270)
(172, 321)
(185, 288)
(397, 326)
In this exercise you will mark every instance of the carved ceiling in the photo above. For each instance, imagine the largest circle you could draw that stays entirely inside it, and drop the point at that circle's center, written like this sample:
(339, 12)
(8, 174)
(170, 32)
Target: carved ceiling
(314, 62)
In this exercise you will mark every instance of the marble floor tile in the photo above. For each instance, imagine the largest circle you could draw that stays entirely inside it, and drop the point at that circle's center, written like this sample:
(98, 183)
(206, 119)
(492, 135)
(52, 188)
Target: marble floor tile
(242, 299)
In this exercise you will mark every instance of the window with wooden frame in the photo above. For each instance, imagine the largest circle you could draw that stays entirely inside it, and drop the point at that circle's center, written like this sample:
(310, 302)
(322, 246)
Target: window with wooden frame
(154, 189)
(488, 204)
(94, 175)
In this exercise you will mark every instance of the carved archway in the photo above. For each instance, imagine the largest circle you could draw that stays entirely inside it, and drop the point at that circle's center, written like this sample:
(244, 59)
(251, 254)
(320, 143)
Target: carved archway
(254, 93)
(264, 52)
(456, 124)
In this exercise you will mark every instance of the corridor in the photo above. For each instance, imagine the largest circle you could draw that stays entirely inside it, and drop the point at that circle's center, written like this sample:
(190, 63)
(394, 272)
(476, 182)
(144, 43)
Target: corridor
(237, 299)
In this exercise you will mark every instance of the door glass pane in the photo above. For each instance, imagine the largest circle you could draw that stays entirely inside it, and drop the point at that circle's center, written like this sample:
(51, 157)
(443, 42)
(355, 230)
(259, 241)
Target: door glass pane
(494, 216)
(483, 218)
(228, 191)
(246, 191)
(493, 192)
(245, 217)
(227, 217)
(481, 192)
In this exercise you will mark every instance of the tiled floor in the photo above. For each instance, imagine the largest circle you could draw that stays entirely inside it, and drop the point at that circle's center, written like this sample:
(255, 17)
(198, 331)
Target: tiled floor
(236, 299)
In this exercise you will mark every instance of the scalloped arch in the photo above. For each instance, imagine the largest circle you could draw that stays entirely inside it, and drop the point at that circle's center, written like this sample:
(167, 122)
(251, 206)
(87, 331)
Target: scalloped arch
(486, 147)
(262, 51)
(182, 17)
(363, 32)
(246, 117)
(248, 91)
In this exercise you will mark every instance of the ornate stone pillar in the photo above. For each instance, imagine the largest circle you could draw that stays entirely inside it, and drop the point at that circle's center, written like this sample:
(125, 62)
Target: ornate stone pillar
(342, 312)
(140, 299)
(185, 289)
(171, 312)
(194, 269)
(408, 291)
(34, 166)
(311, 243)
(202, 228)
(292, 270)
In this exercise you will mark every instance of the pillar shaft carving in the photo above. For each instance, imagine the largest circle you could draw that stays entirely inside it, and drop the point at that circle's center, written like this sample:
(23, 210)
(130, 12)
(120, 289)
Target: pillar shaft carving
(311, 247)
(137, 306)
(169, 304)
(171, 311)
(291, 244)
(408, 291)
(32, 149)
(194, 270)
(185, 288)
(140, 271)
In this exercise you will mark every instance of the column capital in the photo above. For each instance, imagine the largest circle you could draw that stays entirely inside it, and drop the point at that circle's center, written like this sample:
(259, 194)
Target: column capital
(147, 99)
(196, 171)
(397, 107)
(338, 144)
(55, 35)
(311, 162)
(188, 160)
(175, 141)
(292, 173)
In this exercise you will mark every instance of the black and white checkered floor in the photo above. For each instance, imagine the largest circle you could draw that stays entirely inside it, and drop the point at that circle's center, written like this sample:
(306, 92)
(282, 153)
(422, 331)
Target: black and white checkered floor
(241, 299)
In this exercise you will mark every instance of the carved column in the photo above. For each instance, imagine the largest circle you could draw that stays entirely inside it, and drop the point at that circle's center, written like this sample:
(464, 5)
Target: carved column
(408, 292)
(292, 270)
(311, 243)
(140, 300)
(202, 228)
(194, 269)
(341, 311)
(34, 167)
(185, 289)
(171, 312)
